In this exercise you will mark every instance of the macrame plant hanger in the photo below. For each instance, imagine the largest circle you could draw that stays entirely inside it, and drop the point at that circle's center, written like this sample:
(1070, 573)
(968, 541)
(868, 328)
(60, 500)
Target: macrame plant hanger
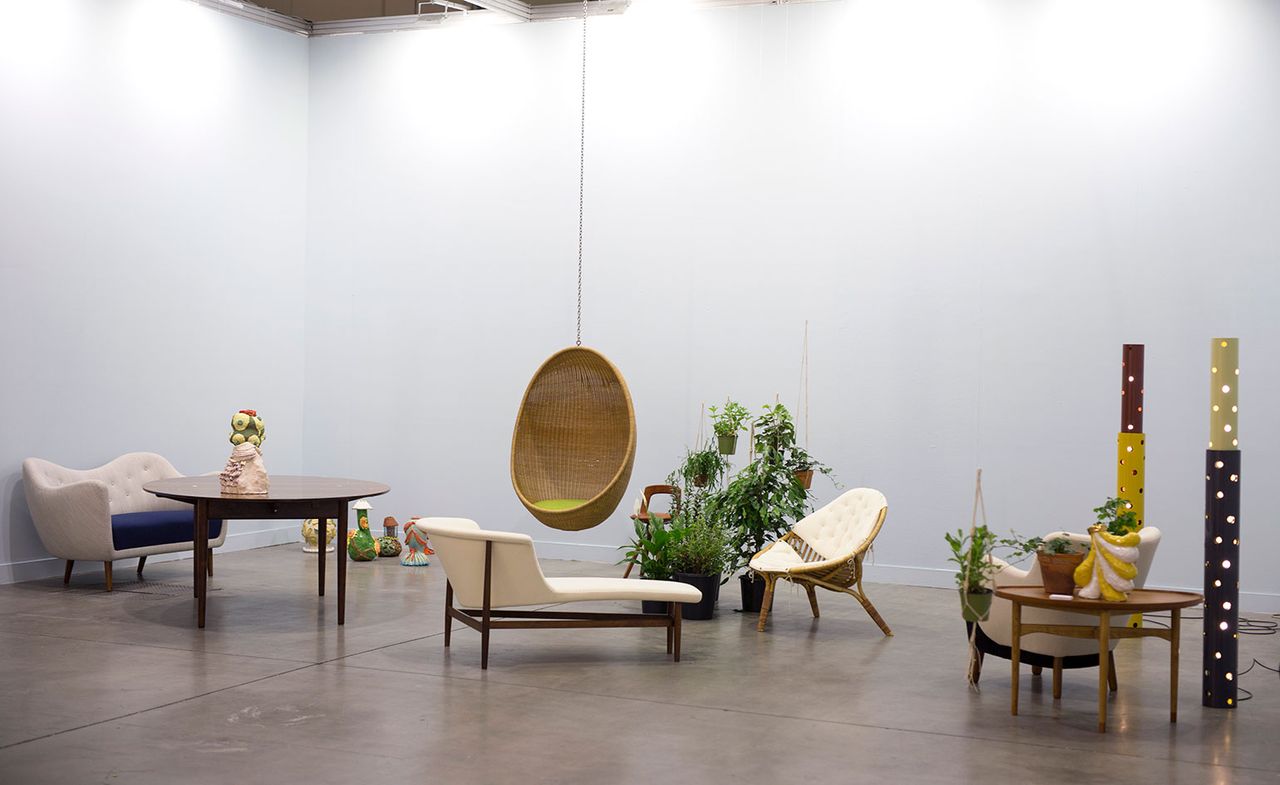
(574, 442)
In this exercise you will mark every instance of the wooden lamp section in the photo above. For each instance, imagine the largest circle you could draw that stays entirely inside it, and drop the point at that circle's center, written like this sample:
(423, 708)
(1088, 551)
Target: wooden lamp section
(1222, 529)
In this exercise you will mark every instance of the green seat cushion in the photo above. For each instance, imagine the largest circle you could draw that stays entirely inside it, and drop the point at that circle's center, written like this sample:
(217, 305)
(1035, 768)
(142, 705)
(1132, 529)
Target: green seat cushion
(556, 505)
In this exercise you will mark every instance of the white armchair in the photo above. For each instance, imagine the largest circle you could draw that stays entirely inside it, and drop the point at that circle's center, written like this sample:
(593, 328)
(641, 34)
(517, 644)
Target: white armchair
(995, 635)
(103, 514)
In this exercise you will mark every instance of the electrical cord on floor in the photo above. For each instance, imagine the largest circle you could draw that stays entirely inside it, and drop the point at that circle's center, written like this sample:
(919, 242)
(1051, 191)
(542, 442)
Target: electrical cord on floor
(1246, 626)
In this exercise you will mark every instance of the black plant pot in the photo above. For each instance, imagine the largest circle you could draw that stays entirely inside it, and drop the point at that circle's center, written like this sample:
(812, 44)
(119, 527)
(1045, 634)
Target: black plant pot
(655, 606)
(752, 593)
(709, 585)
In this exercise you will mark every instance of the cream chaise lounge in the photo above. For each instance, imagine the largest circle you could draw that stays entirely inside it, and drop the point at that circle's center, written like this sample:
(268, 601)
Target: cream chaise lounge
(492, 571)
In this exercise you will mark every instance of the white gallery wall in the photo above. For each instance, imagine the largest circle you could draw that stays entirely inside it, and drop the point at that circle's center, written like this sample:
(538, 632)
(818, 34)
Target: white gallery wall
(152, 237)
(974, 204)
(372, 239)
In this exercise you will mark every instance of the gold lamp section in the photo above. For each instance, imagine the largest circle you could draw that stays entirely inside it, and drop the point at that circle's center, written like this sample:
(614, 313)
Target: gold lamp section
(1224, 395)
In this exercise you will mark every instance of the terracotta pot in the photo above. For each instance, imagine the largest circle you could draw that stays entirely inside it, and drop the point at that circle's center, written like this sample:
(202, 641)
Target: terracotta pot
(699, 480)
(1058, 571)
(805, 478)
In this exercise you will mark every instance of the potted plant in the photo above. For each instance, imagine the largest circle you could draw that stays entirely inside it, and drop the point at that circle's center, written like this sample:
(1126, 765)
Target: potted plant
(653, 549)
(761, 501)
(1058, 558)
(726, 423)
(803, 465)
(703, 467)
(971, 553)
(698, 559)
(1117, 517)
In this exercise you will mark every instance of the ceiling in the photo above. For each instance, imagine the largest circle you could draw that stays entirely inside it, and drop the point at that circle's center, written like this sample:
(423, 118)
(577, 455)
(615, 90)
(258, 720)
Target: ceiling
(341, 10)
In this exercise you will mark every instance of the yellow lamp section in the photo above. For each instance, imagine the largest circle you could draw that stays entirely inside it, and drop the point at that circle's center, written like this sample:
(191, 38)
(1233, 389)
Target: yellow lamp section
(1131, 474)
(1224, 395)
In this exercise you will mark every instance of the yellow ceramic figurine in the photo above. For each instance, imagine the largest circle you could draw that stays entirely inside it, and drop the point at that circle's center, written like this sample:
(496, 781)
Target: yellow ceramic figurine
(1109, 569)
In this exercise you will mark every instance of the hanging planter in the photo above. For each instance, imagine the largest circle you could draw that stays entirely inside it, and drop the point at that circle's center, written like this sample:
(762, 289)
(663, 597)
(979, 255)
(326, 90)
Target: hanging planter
(700, 480)
(728, 444)
(974, 605)
(805, 478)
(726, 422)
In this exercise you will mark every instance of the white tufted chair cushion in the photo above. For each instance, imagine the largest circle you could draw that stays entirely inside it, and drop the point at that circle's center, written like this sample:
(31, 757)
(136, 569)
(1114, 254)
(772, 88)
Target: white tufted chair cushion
(842, 527)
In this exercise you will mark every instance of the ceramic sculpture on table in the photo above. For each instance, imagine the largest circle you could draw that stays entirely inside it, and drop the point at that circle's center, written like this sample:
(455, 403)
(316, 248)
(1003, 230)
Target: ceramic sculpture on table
(1109, 569)
(311, 535)
(416, 547)
(361, 545)
(245, 474)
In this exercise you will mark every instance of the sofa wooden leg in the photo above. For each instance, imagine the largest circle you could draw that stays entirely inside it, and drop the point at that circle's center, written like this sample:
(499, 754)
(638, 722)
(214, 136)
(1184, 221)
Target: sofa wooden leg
(1036, 670)
(675, 616)
(813, 598)
(209, 562)
(106, 570)
(1057, 678)
(486, 610)
(769, 583)
(448, 615)
(142, 562)
(1112, 680)
(66, 575)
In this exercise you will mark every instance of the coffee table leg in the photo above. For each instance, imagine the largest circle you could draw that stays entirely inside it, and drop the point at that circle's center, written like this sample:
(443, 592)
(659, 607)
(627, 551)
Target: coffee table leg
(1175, 633)
(1016, 659)
(202, 548)
(1104, 649)
(342, 562)
(320, 537)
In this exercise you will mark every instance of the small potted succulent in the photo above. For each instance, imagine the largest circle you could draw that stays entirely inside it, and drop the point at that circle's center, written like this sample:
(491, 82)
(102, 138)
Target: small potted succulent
(698, 559)
(653, 550)
(727, 422)
(971, 553)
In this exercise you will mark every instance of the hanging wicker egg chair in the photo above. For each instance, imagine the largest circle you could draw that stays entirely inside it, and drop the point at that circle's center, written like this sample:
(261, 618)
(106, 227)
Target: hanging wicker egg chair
(575, 440)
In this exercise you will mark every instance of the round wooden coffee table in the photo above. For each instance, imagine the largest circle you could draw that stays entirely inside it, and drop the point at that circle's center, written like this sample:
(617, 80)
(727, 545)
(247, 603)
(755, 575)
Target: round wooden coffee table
(290, 497)
(1140, 601)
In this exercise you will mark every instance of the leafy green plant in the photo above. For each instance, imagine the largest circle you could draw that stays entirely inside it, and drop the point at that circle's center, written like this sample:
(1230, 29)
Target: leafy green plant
(971, 553)
(729, 420)
(1117, 516)
(762, 500)
(653, 548)
(701, 551)
(703, 467)
(1019, 547)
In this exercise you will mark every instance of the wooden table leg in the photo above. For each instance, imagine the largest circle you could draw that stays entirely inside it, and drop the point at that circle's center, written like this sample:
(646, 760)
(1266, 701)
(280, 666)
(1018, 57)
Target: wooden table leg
(202, 551)
(1016, 659)
(197, 565)
(1104, 650)
(342, 562)
(1175, 630)
(320, 538)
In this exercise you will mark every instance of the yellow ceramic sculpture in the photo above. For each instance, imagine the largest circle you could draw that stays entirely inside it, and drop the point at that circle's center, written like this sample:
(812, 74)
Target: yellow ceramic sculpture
(1109, 569)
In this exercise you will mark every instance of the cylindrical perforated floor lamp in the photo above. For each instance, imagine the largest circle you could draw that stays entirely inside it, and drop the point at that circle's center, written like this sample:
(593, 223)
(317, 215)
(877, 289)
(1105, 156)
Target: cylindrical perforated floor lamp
(1222, 528)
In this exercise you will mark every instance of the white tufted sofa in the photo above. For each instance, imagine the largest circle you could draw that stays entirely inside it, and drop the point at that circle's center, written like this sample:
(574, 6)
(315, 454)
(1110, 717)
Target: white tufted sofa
(826, 549)
(73, 508)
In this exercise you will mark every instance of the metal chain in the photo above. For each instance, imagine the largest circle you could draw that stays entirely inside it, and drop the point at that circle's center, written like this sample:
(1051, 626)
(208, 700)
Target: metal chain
(582, 161)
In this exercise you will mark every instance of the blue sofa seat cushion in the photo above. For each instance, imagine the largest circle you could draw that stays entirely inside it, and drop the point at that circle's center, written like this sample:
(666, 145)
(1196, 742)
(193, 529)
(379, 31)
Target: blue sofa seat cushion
(159, 527)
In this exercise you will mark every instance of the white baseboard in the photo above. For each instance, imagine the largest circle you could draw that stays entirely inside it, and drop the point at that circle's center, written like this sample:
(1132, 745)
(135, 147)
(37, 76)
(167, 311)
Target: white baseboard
(932, 577)
(36, 569)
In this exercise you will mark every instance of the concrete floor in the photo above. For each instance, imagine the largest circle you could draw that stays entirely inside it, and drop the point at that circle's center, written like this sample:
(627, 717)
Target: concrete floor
(121, 687)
